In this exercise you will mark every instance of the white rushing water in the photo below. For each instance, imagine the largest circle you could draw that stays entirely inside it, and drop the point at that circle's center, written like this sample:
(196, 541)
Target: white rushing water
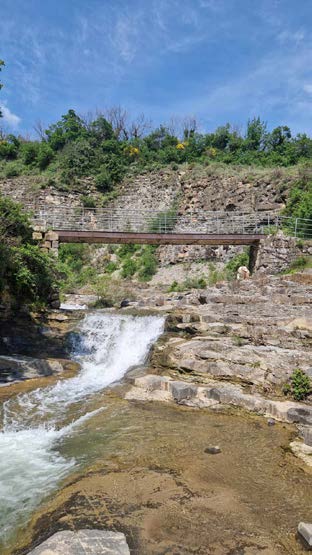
(35, 423)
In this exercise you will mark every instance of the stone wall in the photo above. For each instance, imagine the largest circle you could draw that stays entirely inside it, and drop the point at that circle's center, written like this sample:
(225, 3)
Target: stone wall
(277, 252)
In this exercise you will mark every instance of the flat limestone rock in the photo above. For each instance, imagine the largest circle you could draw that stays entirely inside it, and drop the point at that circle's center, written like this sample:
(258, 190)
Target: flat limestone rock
(305, 530)
(84, 542)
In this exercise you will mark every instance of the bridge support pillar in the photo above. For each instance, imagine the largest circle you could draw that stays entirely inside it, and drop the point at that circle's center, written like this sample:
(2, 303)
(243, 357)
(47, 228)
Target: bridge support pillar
(253, 256)
(48, 240)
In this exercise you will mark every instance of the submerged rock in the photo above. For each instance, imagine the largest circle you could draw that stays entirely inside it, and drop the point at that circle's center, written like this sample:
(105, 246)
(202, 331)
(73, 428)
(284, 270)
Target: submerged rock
(213, 450)
(84, 542)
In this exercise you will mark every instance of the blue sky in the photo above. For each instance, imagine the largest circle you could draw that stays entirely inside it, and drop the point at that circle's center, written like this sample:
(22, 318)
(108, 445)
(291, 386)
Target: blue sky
(220, 60)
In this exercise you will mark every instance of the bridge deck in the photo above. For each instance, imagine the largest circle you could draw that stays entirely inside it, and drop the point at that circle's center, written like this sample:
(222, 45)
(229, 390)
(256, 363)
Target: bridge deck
(67, 236)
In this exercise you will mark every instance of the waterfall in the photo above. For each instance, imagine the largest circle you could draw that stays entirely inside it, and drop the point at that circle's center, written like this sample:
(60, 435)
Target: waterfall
(35, 423)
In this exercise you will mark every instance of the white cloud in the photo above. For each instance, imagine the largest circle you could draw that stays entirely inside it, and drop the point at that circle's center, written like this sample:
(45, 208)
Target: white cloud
(8, 117)
(308, 88)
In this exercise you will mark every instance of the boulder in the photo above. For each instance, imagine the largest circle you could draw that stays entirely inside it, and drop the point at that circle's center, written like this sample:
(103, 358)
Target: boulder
(26, 368)
(243, 273)
(305, 530)
(307, 436)
(84, 542)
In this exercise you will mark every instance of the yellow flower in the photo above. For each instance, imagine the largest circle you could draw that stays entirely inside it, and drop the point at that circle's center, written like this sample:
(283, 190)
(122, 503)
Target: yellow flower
(212, 152)
(180, 146)
(132, 150)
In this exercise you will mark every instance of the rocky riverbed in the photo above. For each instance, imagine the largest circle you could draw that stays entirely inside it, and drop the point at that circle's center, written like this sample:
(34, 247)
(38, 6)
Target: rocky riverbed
(194, 452)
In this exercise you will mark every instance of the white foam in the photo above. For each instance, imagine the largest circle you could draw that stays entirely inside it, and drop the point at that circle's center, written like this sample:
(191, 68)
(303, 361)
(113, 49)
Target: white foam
(35, 423)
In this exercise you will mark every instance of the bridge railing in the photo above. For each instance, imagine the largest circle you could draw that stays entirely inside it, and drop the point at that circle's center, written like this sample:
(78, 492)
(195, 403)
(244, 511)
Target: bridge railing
(153, 221)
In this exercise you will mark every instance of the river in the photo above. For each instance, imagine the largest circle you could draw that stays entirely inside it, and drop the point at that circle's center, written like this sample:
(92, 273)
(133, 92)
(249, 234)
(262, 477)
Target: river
(77, 455)
(35, 424)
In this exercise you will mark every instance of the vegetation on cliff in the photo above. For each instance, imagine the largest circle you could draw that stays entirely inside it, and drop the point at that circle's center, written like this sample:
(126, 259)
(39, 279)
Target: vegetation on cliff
(109, 146)
(27, 274)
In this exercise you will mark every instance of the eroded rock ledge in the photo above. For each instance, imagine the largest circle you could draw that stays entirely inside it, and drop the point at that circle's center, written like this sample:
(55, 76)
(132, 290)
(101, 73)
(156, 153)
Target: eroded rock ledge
(84, 542)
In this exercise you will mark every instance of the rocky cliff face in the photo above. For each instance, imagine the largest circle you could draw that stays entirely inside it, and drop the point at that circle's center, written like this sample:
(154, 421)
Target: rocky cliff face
(198, 188)
(207, 188)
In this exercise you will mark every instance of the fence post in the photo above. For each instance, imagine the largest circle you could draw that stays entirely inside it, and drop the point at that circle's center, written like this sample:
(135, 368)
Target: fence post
(296, 226)
(165, 222)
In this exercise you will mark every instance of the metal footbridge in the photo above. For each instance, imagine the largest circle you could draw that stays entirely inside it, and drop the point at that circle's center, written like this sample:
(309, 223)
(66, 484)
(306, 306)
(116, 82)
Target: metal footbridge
(160, 227)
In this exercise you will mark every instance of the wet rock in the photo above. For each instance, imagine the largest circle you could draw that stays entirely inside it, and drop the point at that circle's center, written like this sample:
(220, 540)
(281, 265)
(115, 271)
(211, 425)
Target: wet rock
(305, 530)
(182, 391)
(307, 436)
(300, 415)
(215, 450)
(124, 303)
(84, 542)
(26, 368)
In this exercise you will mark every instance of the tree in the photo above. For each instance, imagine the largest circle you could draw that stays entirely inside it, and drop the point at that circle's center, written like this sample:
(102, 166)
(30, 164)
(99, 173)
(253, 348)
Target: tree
(26, 272)
(118, 118)
(70, 128)
(39, 128)
(160, 138)
(101, 130)
(256, 134)
(139, 127)
(279, 137)
(1, 85)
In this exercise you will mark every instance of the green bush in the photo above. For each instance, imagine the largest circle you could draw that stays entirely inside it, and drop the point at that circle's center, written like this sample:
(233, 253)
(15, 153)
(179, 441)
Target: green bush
(8, 150)
(111, 267)
(31, 274)
(30, 152)
(88, 201)
(237, 261)
(13, 170)
(129, 268)
(148, 263)
(299, 386)
(189, 283)
(27, 274)
(104, 181)
(301, 263)
(45, 156)
(127, 249)
(215, 275)
(77, 158)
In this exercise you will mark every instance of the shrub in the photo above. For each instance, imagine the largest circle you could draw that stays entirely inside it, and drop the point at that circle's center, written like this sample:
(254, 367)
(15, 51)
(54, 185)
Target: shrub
(13, 170)
(45, 156)
(301, 263)
(104, 181)
(111, 267)
(189, 283)
(299, 386)
(129, 268)
(8, 151)
(77, 158)
(31, 274)
(148, 263)
(88, 201)
(127, 249)
(215, 275)
(29, 153)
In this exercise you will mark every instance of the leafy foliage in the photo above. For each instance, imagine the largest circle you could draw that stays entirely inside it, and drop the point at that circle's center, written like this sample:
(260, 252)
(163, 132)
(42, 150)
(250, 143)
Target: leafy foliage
(190, 283)
(299, 386)
(27, 274)
(108, 148)
(237, 261)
